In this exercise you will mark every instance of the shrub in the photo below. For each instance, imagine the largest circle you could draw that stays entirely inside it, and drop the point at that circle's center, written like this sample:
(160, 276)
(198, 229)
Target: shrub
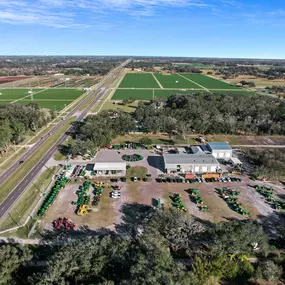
(269, 271)
(146, 141)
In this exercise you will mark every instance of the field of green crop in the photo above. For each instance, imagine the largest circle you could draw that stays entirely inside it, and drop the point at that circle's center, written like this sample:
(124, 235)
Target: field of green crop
(55, 99)
(146, 94)
(14, 94)
(138, 80)
(175, 81)
(208, 82)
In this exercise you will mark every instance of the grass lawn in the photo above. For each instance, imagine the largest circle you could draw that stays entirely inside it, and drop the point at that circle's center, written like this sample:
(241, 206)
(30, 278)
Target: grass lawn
(15, 93)
(156, 139)
(55, 99)
(147, 94)
(136, 171)
(11, 183)
(175, 81)
(62, 94)
(235, 92)
(126, 108)
(139, 80)
(55, 105)
(209, 82)
(23, 207)
(8, 154)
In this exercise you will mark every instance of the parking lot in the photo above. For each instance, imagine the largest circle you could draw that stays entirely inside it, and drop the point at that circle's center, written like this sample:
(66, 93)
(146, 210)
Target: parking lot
(108, 212)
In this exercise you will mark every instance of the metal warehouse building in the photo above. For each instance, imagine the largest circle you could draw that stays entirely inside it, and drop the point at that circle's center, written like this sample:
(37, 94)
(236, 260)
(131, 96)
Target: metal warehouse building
(220, 149)
(107, 168)
(190, 163)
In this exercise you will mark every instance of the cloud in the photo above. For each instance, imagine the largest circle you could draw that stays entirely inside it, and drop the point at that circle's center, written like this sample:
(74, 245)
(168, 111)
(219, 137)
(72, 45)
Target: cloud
(64, 13)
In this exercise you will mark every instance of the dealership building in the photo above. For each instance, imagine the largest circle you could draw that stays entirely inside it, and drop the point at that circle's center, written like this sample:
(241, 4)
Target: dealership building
(220, 150)
(195, 160)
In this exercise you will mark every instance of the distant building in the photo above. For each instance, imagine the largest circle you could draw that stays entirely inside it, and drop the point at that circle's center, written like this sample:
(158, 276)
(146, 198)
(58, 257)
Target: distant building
(220, 149)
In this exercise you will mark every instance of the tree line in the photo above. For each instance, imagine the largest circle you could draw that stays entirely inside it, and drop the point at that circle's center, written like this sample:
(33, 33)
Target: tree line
(201, 113)
(213, 114)
(235, 71)
(97, 131)
(151, 247)
(269, 163)
(47, 65)
(17, 120)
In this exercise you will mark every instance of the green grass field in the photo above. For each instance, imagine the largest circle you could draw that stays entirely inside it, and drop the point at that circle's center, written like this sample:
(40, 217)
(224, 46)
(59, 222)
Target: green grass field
(236, 92)
(175, 81)
(55, 99)
(146, 94)
(53, 105)
(208, 82)
(16, 93)
(139, 86)
(138, 80)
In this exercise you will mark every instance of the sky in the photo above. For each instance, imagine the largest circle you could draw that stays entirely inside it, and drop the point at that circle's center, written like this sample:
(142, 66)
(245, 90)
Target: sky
(187, 28)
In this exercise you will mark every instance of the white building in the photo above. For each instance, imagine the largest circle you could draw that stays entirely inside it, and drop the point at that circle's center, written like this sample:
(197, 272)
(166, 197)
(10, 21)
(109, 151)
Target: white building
(190, 163)
(220, 150)
(108, 168)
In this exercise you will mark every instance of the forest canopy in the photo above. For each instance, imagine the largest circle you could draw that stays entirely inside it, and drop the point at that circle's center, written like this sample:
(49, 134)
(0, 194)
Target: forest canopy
(16, 120)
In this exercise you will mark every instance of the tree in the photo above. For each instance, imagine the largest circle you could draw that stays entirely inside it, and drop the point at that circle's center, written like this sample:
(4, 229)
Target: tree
(237, 238)
(11, 258)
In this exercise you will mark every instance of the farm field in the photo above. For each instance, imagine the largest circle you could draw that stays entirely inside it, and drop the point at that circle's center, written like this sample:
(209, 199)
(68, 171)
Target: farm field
(55, 99)
(237, 92)
(145, 86)
(14, 94)
(139, 80)
(147, 94)
(175, 81)
(208, 82)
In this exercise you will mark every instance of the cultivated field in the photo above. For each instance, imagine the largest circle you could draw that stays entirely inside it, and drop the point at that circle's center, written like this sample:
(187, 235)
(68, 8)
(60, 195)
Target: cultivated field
(145, 86)
(139, 80)
(209, 82)
(148, 94)
(175, 81)
(55, 99)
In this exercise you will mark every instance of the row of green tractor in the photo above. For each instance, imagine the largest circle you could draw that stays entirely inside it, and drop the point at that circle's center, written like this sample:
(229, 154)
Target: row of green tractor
(268, 194)
(195, 195)
(177, 202)
(58, 185)
(98, 191)
(82, 196)
(231, 197)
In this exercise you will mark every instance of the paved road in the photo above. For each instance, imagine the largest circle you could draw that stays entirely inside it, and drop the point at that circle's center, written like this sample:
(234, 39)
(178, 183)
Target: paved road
(19, 189)
(259, 145)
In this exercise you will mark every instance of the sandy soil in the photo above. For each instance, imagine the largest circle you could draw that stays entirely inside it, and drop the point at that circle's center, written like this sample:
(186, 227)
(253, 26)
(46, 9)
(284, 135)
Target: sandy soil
(108, 214)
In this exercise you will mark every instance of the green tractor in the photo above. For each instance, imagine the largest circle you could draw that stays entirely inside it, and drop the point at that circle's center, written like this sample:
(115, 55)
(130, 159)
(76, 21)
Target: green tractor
(204, 208)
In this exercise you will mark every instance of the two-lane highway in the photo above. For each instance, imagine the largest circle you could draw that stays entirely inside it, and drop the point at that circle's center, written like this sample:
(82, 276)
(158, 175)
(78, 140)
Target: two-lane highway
(20, 188)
